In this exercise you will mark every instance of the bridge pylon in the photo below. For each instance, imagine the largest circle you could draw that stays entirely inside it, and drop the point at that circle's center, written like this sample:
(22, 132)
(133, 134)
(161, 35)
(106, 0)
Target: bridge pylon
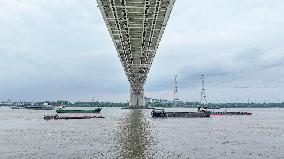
(136, 99)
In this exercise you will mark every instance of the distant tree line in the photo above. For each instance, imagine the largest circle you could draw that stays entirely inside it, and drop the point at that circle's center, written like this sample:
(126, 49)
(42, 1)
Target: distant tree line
(246, 105)
(182, 104)
(98, 104)
(220, 105)
(154, 104)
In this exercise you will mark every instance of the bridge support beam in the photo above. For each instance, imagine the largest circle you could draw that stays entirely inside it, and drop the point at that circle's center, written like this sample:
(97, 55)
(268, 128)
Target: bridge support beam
(136, 100)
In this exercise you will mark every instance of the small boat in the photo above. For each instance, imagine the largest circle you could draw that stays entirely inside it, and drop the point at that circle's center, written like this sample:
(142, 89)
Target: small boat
(44, 106)
(163, 113)
(17, 107)
(137, 107)
(212, 107)
(61, 110)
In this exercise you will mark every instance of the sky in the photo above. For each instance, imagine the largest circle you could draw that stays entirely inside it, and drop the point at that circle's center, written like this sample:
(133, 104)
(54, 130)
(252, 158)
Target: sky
(61, 50)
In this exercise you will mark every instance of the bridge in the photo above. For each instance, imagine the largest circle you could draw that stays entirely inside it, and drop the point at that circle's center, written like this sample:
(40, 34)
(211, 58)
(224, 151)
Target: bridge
(136, 28)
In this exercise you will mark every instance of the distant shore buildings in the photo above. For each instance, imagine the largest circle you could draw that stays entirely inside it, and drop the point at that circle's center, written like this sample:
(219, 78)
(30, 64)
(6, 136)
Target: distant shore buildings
(9, 102)
(151, 102)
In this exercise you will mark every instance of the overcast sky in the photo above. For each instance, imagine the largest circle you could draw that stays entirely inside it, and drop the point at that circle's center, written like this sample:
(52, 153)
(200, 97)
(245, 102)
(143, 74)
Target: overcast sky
(61, 49)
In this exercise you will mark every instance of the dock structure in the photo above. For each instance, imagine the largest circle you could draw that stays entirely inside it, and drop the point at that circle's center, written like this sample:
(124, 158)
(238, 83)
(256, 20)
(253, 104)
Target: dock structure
(136, 28)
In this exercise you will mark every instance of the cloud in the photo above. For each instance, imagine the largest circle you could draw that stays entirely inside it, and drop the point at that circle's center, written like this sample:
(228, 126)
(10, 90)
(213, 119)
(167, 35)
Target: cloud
(53, 49)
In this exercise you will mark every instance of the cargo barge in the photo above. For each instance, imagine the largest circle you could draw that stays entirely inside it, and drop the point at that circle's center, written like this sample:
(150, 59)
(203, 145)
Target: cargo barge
(57, 117)
(229, 113)
(212, 113)
(61, 110)
(163, 113)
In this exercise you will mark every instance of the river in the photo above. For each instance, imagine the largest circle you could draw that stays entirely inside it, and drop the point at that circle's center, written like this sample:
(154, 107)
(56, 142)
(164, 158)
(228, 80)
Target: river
(135, 134)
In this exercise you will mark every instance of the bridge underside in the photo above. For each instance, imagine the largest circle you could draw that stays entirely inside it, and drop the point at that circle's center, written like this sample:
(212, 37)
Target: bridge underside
(136, 28)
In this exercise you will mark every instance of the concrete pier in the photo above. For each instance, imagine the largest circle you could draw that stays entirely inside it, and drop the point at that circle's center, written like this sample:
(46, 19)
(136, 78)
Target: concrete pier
(136, 100)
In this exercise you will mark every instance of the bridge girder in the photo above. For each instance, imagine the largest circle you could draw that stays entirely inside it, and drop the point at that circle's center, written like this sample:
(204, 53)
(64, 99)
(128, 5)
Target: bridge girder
(136, 28)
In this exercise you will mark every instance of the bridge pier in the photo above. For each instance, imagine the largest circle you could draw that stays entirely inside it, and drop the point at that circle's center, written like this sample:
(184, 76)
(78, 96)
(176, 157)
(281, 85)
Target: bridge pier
(136, 100)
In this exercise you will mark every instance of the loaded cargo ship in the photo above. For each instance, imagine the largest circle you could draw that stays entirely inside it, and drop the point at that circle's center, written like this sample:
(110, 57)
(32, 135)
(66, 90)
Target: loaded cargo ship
(163, 113)
(61, 110)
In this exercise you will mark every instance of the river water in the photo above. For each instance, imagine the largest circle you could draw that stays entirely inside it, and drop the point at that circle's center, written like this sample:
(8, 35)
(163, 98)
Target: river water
(134, 134)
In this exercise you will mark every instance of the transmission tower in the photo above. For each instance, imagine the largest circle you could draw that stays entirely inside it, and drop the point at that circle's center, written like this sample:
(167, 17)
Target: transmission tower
(176, 89)
(203, 99)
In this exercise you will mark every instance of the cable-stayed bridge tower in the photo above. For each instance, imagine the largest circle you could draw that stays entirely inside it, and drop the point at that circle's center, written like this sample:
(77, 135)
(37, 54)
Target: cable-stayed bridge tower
(136, 28)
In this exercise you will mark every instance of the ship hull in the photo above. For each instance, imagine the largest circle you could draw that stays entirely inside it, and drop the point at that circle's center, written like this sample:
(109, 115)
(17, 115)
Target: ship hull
(98, 110)
(162, 113)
